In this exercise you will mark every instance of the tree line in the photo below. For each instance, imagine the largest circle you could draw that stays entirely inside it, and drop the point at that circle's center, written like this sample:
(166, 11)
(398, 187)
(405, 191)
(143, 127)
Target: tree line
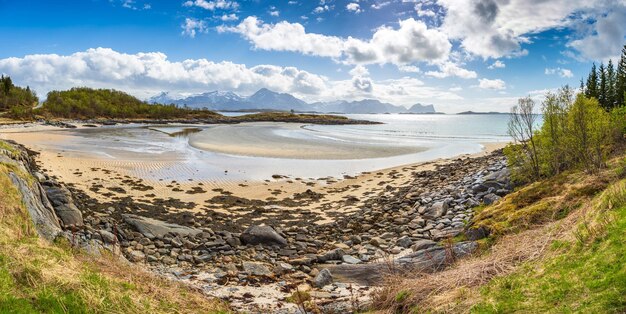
(15, 101)
(86, 103)
(607, 84)
(580, 130)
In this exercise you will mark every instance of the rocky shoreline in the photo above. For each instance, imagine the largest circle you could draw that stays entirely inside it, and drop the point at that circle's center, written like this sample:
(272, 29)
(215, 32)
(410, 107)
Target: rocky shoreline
(257, 263)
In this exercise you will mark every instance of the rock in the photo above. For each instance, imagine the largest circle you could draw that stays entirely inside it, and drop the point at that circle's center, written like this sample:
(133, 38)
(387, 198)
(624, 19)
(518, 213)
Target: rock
(136, 256)
(256, 269)
(106, 236)
(349, 259)
(332, 255)
(491, 198)
(323, 278)
(41, 211)
(283, 268)
(422, 244)
(265, 235)
(436, 210)
(404, 242)
(70, 215)
(474, 234)
(153, 228)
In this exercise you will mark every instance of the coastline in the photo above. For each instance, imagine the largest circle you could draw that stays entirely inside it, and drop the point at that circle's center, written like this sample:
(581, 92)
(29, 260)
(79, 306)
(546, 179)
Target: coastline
(317, 217)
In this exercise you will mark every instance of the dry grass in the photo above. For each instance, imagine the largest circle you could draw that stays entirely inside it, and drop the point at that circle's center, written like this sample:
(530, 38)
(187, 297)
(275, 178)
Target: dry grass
(37, 276)
(524, 225)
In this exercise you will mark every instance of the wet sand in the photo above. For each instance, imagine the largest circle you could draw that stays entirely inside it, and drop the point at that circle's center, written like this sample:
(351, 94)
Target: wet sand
(105, 179)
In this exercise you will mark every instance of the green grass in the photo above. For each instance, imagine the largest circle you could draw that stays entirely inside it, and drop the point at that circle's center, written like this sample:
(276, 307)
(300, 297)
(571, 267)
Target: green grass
(41, 277)
(586, 275)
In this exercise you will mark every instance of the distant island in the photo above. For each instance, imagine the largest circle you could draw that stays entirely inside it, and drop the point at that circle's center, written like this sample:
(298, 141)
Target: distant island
(479, 112)
(267, 100)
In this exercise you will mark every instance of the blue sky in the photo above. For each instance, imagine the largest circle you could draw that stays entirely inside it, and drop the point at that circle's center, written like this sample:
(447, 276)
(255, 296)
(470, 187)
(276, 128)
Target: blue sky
(457, 54)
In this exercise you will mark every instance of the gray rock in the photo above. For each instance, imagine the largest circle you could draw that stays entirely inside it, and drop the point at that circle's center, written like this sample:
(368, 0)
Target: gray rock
(107, 237)
(332, 255)
(474, 234)
(256, 269)
(491, 198)
(136, 256)
(262, 235)
(349, 259)
(283, 268)
(323, 278)
(70, 215)
(404, 242)
(422, 244)
(436, 210)
(152, 228)
(41, 211)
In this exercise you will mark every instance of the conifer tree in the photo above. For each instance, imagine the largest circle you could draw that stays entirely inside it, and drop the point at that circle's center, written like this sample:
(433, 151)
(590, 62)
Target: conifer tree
(620, 84)
(591, 90)
(602, 87)
(611, 85)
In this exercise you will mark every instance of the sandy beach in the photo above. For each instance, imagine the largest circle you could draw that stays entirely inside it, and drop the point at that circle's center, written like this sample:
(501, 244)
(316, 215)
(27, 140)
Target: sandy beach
(105, 177)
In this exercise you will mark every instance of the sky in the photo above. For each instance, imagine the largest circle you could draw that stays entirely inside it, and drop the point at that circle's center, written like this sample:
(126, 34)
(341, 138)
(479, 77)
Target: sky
(459, 55)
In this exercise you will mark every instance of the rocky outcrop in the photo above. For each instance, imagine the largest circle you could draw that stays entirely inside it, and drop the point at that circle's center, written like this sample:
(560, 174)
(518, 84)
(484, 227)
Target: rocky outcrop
(265, 235)
(152, 228)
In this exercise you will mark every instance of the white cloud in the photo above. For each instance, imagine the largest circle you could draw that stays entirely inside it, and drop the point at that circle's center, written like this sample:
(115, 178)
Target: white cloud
(354, 7)
(496, 84)
(380, 5)
(321, 9)
(409, 68)
(450, 69)
(147, 74)
(499, 28)
(274, 12)
(229, 17)
(193, 26)
(565, 73)
(411, 42)
(359, 70)
(212, 5)
(497, 65)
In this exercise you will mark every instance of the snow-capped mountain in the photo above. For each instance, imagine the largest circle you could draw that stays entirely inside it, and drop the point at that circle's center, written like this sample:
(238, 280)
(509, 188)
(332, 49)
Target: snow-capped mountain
(265, 99)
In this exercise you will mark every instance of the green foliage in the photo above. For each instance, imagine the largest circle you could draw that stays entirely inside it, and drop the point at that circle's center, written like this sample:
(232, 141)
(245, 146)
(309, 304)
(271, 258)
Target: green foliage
(88, 103)
(582, 277)
(607, 85)
(576, 134)
(18, 102)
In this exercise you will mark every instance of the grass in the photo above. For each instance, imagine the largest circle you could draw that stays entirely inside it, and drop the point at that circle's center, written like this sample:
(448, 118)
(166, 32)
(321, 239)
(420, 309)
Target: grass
(588, 275)
(556, 246)
(41, 277)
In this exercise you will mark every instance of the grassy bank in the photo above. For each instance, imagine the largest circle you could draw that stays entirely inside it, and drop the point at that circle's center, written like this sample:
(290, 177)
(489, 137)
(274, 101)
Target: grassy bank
(556, 245)
(40, 277)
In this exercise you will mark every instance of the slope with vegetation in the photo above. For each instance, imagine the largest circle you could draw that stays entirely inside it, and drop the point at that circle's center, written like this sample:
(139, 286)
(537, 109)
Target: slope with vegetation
(556, 244)
(16, 102)
(37, 276)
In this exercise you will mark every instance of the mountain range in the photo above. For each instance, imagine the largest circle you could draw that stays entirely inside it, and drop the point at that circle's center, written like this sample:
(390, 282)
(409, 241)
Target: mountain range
(265, 99)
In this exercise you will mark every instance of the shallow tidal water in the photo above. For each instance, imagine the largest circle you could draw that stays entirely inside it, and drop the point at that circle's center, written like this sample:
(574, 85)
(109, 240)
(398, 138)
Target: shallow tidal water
(402, 139)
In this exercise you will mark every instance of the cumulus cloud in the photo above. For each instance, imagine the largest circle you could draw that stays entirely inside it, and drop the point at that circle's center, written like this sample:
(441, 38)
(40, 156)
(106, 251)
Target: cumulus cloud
(147, 74)
(496, 84)
(498, 28)
(450, 69)
(497, 65)
(193, 26)
(229, 17)
(411, 42)
(212, 5)
(565, 73)
(354, 7)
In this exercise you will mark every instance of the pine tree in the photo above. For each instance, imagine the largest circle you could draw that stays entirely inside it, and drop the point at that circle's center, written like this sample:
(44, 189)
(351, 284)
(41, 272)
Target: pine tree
(591, 89)
(620, 86)
(611, 84)
(602, 88)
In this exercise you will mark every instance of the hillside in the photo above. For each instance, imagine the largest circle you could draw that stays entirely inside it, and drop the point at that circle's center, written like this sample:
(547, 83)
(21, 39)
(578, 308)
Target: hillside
(16, 102)
(53, 277)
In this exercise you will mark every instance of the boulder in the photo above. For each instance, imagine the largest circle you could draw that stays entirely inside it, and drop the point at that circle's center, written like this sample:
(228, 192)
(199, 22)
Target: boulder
(323, 278)
(436, 210)
(349, 259)
(332, 255)
(70, 215)
(404, 242)
(152, 228)
(422, 244)
(474, 234)
(265, 235)
(491, 198)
